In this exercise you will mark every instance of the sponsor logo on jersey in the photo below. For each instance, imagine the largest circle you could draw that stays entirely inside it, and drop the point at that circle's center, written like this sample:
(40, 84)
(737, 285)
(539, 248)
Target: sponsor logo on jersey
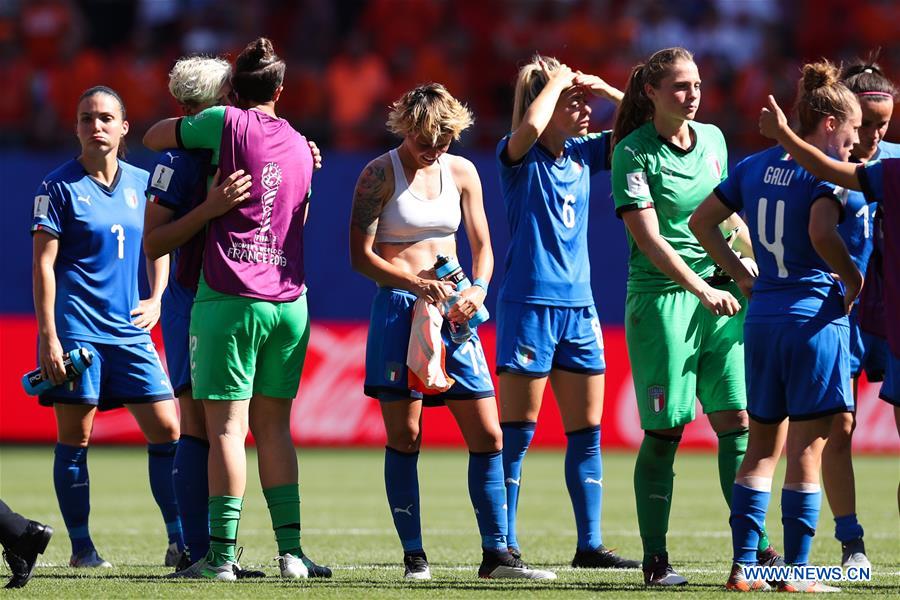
(637, 184)
(656, 394)
(162, 176)
(172, 157)
(41, 206)
(85, 199)
(131, 197)
(841, 194)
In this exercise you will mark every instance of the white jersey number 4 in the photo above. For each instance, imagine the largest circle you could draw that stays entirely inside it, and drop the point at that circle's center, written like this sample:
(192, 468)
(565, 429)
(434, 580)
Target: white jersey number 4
(775, 246)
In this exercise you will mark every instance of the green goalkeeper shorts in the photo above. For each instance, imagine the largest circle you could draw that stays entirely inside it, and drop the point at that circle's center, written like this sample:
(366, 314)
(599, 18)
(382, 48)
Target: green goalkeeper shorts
(243, 346)
(679, 351)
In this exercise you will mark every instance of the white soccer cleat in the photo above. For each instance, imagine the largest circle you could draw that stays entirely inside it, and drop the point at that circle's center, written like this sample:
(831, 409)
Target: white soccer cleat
(89, 559)
(853, 554)
(224, 572)
(805, 585)
(506, 566)
(292, 567)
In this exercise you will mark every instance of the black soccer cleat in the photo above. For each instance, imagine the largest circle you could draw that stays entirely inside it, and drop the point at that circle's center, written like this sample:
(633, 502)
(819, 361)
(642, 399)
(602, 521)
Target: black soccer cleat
(314, 569)
(770, 558)
(503, 565)
(515, 552)
(602, 558)
(183, 563)
(658, 572)
(22, 555)
(416, 566)
(242, 573)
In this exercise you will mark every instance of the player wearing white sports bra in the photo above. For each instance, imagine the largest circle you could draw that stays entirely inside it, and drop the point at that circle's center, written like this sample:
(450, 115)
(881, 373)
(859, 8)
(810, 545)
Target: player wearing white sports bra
(407, 206)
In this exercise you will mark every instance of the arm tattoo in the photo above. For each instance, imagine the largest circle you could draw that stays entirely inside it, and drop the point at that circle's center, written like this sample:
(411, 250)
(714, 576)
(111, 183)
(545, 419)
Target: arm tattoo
(368, 199)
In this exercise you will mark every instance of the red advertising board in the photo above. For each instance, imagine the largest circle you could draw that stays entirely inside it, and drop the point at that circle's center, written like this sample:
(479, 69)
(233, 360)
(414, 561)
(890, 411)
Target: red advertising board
(331, 409)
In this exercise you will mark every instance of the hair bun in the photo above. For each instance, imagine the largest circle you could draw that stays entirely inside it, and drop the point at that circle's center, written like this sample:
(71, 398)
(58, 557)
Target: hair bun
(258, 53)
(819, 75)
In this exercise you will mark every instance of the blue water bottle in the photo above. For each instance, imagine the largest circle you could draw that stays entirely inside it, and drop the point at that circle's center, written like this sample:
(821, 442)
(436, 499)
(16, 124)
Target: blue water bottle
(446, 268)
(75, 361)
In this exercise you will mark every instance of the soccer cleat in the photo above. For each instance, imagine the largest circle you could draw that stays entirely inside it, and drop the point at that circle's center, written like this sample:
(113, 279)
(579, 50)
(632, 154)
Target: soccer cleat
(516, 553)
(183, 563)
(658, 572)
(770, 558)
(602, 558)
(738, 582)
(242, 573)
(223, 572)
(503, 565)
(853, 554)
(415, 566)
(88, 559)
(173, 555)
(805, 585)
(193, 571)
(22, 554)
(314, 569)
(291, 566)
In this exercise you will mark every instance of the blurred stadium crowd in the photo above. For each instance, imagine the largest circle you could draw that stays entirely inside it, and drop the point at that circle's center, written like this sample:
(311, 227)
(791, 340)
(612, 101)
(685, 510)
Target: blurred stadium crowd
(347, 59)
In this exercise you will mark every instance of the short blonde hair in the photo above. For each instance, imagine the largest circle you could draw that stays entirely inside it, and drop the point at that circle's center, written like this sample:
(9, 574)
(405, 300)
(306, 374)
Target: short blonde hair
(429, 111)
(197, 80)
(529, 83)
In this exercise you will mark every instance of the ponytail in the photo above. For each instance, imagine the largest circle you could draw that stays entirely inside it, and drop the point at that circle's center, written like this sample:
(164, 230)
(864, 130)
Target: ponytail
(529, 83)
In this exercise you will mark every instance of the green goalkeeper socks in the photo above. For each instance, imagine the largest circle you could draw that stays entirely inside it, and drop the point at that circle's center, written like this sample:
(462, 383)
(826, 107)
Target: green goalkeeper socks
(732, 447)
(653, 480)
(284, 509)
(224, 517)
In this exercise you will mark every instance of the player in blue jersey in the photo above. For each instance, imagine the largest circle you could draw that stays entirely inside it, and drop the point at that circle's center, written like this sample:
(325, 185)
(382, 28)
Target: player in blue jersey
(868, 351)
(87, 226)
(547, 325)
(796, 330)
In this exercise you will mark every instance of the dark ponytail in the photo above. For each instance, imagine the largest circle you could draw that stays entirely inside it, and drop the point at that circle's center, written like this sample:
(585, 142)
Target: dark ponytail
(867, 81)
(258, 72)
(636, 108)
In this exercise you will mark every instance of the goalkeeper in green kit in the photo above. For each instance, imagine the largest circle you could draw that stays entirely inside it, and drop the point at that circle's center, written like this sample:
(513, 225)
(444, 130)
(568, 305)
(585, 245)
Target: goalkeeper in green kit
(683, 321)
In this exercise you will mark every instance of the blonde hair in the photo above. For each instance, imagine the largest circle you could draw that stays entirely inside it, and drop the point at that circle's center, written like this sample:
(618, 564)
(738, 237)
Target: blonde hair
(429, 111)
(197, 80)
(529, 83)
(821, 94)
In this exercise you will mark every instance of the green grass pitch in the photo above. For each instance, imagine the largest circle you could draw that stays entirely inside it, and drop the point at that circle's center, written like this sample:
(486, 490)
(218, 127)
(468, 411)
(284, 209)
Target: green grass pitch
(346, 524)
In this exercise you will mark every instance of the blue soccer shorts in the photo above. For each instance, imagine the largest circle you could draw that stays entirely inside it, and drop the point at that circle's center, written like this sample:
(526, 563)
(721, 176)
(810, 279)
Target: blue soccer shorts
(867, 352)
(533, 339)
(799, 370)
(890, 389)
(175, 327)
(387, 345)
(120, 374)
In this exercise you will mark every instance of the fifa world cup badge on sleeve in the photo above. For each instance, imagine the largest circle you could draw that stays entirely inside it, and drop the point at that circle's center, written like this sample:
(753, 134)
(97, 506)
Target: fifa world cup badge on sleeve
(657, 396)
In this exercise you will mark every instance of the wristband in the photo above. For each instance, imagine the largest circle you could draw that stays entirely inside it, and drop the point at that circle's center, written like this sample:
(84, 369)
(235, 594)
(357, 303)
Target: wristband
(481, 283)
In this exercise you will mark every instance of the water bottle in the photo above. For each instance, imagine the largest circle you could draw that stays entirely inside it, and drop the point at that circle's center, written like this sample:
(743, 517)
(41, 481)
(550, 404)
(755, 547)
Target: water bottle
(446, 268)
(75, 361)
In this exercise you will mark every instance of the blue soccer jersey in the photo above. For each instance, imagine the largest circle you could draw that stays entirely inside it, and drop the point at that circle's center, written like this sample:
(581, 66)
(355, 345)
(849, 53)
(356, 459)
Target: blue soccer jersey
(99, 230)
(179, 183)
(776, 194)
(858, 228)
(546, 202)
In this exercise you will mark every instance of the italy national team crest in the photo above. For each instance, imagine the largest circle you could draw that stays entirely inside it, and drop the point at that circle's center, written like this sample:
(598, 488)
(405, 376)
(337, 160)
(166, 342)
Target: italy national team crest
(656, 394)
(525, 355)
(131, 197)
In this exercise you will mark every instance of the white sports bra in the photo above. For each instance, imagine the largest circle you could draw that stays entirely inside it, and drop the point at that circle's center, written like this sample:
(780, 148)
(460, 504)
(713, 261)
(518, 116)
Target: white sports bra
(407, 218)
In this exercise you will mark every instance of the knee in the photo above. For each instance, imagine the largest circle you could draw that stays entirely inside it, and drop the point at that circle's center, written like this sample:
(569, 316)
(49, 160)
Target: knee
(729, 420)
(405, 440)
(77, 439)
(841, 434)
(489, 441)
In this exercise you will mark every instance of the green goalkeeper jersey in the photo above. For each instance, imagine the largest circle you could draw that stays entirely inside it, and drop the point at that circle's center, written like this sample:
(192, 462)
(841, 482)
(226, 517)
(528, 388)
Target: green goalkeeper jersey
(650, 172)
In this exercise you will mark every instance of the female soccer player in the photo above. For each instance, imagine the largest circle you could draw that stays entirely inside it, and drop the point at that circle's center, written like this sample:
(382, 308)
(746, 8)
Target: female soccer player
(879, 180)
(407, 208)
(88, 220)
(546, 321)
(683, 324)
(867, 351)
(249, 323)
(797, 332)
